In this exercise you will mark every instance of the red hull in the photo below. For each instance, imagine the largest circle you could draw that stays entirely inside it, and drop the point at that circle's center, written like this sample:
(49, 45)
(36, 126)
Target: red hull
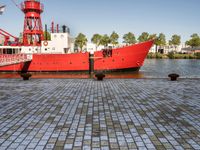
(125, 58)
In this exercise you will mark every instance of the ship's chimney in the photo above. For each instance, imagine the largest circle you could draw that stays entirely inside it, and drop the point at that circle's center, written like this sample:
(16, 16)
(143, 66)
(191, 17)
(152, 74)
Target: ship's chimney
(52, 27)
(57, 28)
(64, 28)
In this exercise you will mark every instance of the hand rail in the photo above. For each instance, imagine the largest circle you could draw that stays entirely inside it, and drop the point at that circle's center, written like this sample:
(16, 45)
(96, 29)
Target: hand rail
(9, 59)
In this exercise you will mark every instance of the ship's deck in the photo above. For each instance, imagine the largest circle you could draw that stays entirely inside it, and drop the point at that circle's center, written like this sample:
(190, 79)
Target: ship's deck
(113, 114)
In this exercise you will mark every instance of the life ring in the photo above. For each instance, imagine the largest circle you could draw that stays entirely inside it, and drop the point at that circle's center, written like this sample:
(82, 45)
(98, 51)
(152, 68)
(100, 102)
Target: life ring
(45, 43)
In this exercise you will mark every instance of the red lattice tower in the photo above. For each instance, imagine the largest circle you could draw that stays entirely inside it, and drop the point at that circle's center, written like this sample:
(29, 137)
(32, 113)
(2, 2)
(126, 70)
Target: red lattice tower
(33, 32)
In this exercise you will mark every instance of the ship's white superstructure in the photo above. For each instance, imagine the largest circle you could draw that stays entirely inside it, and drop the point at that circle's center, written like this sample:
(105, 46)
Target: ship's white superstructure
(59, 44)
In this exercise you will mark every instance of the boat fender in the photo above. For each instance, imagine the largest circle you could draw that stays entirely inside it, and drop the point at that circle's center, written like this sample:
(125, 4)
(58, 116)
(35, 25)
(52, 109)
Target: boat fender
(45, 43)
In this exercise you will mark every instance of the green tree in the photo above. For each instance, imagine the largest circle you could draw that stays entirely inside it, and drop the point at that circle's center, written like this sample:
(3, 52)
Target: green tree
(96, 39)
(129, 38)
(175, 40)
(170, 55)
(105, 40)
(114, 38)
(20, 37)
(143, 37)
(194, 41)
(152, 37)
(80, 41)
(160, 41)
(48, 35)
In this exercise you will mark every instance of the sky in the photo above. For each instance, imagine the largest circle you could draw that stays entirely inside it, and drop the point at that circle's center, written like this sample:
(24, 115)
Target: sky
(181, 17)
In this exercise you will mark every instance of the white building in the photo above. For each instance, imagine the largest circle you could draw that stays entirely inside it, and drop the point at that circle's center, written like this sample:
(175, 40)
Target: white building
(91, 47)
(166, 49)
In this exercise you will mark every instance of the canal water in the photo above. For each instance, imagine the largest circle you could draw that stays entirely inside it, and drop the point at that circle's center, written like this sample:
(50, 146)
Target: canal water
(160, 68)
(153, 68)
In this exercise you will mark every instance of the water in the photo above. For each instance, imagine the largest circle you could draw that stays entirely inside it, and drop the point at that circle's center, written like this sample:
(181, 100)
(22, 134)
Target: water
(153, 68)
(160, 68)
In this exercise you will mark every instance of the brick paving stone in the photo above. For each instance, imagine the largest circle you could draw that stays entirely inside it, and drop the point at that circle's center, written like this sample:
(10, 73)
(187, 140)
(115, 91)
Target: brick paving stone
(112, 114)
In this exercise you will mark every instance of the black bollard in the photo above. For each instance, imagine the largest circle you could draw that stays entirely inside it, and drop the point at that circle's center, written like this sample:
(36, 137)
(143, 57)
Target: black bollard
(173, 76)
(100, 76)
(25, 76)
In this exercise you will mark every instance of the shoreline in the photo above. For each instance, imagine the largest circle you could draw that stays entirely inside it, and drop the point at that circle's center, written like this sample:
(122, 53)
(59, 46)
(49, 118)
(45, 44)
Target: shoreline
(172, 55)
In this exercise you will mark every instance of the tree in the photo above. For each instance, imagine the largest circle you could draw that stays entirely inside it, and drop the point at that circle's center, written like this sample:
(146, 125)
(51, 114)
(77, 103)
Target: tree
(20, 37)
(96, 39)
(160, 40)
(48, 35)
(80, 41)
(129, 38)
(194, 41)
(143, 37)
(152, 37)
(105, 40)
(175, 40)
(114, 38)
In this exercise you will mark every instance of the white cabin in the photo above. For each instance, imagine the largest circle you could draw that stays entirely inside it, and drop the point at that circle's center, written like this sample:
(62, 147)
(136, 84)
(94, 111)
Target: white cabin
(59, 44)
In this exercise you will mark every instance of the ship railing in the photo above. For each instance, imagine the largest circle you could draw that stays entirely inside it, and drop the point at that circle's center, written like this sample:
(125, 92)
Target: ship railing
(8, 59)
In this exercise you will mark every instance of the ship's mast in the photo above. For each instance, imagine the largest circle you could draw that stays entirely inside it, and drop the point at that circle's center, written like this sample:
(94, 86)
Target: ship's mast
(33, 32)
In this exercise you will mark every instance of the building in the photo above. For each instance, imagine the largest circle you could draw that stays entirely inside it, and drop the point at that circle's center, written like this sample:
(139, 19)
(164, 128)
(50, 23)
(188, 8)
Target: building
(167, 48)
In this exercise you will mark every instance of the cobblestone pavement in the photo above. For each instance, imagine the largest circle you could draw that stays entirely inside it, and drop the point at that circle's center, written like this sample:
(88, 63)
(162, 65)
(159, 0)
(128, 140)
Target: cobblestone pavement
(87, 114)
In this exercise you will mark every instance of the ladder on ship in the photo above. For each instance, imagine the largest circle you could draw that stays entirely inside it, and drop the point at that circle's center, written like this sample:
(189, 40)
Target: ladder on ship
(11, 59)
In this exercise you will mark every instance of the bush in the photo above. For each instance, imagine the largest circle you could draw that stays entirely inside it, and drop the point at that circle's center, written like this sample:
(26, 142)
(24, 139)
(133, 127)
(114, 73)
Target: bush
(171, 55)
(197, 55)
(159, 55)
(150, 55)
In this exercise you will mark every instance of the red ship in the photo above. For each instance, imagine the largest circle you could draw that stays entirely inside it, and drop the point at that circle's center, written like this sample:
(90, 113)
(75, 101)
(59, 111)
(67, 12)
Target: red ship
(37, 54)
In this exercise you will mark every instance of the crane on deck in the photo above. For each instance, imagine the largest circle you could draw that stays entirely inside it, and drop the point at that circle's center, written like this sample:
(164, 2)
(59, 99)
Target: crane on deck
(7, 37)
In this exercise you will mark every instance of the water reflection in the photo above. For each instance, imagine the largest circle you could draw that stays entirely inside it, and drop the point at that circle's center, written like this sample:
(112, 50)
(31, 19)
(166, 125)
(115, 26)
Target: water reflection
(159, 68)
(153, 68)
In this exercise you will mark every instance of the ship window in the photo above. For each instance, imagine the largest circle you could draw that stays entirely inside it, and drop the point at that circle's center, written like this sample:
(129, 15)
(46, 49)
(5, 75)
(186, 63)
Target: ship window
(53, 48)
(45, 49)
(36, 49)
(107, 52)
(29, 49)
